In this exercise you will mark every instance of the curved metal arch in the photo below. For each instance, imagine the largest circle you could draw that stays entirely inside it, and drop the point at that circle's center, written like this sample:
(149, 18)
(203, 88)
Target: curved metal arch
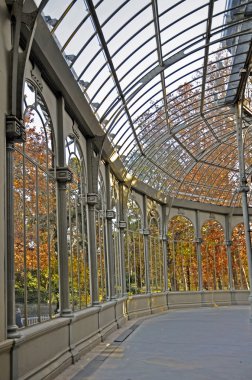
(127, 22)
(216, 223)
(74, 33)
(239, 226)
(204, 168)
(46, 124)
(206, 151)
(185, 218)
(170, 135)
(203, 164)
(140, 212)
(175, 58)
(143, 114)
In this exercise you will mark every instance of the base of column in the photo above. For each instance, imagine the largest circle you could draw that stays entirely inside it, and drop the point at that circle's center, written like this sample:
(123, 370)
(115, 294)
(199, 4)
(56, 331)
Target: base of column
(66, 313)
(13, 332)
(96, 303)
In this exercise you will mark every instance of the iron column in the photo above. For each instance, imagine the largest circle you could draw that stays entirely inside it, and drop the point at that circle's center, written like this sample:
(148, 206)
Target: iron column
(244, 189)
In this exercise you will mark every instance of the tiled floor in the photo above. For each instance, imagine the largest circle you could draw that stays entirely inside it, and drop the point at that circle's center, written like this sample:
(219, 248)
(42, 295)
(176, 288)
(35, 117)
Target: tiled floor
(198, 344)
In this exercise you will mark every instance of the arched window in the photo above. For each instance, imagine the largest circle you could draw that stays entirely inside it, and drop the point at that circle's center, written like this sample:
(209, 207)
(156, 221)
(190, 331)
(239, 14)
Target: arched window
(214, 257)
(134, 252)
(182, 258)
(100, 241)
(36, 258)
(239, 258)
(115, 235)
(155, 252)
(77, 227)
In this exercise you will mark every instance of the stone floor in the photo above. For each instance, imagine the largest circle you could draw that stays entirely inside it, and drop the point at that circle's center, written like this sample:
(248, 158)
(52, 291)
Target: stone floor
(196, 344)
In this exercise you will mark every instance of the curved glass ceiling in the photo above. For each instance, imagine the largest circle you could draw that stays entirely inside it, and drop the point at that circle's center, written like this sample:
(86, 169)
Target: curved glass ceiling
(162, 77)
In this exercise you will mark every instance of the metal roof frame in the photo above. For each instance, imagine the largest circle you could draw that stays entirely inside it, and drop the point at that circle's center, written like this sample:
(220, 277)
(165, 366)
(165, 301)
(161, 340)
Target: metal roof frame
(168, 111)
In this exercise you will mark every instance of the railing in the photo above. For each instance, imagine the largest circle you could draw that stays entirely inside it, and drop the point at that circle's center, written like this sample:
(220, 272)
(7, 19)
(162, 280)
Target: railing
(34, 320)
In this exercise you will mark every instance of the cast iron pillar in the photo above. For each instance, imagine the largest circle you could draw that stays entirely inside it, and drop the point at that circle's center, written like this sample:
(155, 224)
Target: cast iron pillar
(244, 189)
(92, 200)
(164, 247)
(228, 246)
(63, 176)
(93, 162)
(122, 227)
(198, 242)
(15, 132)
(110, 215)
(146, 234)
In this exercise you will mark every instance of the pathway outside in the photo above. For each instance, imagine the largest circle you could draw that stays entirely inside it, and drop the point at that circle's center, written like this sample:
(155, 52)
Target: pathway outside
(198, 344)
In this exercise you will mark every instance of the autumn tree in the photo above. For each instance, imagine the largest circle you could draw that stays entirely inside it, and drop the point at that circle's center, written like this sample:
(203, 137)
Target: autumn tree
(134, 250)
(182, 259)
(214, 257)
(239, 258)
(36, 269)
(79, 276)
(188, 143)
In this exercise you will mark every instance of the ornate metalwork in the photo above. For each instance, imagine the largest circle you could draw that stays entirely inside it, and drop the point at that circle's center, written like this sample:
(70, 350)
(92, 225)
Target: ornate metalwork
(64, 174)
(163, 144)
(15, 129)
(110, 214)
(92, 198)
(122, 224)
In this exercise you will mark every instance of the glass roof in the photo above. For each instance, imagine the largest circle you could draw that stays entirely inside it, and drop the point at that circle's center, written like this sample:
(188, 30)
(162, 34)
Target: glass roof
(162, 78)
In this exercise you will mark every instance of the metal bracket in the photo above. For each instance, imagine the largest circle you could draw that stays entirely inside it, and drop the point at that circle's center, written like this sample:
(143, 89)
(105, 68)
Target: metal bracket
(110, 214)
(122, 224)
(64, 174)
(243, 189)
(92, 198)
(15, 129)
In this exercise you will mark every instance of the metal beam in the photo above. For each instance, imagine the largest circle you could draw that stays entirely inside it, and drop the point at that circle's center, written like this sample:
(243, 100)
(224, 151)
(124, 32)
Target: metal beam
(244, 189)
(112, 68)
(244, 75)
(20, 58)
(172, 61)
(208, 36)
(160, 57)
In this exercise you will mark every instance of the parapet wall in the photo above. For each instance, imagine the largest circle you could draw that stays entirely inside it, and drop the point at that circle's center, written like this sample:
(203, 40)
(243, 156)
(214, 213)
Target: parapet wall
(44, 350)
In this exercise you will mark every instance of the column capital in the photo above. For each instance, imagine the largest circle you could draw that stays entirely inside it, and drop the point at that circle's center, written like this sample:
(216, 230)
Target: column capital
(92, 199)
(15, 129)
(110, 214)
(122, 224)
(63, 174)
